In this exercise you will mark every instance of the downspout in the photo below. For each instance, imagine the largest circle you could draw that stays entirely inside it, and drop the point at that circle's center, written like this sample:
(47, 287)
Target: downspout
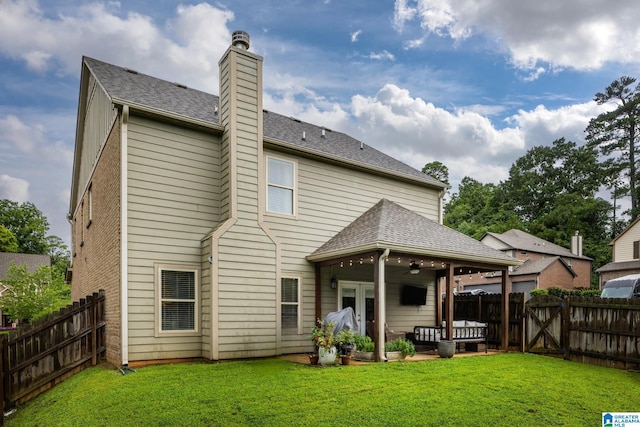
(124, 243)
(382, 313)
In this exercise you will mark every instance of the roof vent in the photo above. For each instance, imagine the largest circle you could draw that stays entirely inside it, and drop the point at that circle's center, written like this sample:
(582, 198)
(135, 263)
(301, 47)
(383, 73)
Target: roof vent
(130, 70)
(180, 85)
(240, 39)
(304, 136)
(323, 134)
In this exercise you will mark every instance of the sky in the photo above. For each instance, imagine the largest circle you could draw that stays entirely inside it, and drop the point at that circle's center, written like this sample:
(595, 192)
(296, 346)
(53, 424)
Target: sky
(472, 84)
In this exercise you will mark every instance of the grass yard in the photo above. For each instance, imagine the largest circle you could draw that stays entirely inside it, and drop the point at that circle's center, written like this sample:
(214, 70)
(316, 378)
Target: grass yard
(503, 390)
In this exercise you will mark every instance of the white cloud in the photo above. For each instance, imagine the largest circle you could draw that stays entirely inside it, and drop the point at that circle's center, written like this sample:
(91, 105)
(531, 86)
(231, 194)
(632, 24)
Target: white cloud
(563, 34)
(14, 133)
(189, 46)
(384, 55)
(393, 115)
(542, 126)
(14, 189)
(355, 35)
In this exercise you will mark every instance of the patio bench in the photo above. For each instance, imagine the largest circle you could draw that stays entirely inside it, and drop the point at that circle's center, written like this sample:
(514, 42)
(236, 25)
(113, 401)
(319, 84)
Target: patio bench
(464, 331)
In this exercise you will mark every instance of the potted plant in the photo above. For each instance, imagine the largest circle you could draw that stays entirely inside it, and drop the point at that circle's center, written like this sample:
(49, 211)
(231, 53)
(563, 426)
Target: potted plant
(325, 341)
(346, 342)
(364, 347)
(399, 349)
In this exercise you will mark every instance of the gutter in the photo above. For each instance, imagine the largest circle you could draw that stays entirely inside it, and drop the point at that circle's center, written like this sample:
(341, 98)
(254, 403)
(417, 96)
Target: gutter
(124, 243)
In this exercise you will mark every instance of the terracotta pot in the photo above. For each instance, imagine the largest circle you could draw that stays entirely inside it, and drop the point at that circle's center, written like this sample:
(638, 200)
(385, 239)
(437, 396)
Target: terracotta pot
(313, 359)
(345, 359)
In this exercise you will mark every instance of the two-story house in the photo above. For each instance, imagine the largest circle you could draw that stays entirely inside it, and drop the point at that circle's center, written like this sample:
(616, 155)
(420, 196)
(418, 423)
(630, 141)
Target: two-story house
(220, 230)
(544, 264)
(625, 254)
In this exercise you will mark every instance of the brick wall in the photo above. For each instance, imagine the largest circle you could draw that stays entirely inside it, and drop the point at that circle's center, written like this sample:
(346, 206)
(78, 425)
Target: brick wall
(96, 240)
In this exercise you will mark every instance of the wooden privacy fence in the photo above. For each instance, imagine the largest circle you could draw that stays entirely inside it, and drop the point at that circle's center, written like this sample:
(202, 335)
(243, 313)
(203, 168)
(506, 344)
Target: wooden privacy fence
(488, 308)
(35, 357)
(600, 331)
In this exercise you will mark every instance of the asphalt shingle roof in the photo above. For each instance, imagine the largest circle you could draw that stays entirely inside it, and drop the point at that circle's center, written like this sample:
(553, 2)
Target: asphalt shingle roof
(128, 86)
(537, 266)
(389, 224)
(518, 239)
(33, 261)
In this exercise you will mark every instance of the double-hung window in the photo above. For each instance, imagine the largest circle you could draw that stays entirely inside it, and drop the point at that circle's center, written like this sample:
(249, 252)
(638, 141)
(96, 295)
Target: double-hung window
(280, 186)
(290, 304)
(177, 299)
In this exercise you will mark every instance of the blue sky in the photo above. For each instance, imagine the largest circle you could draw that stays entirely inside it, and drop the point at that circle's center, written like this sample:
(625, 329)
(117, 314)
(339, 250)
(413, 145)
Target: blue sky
(471, 84)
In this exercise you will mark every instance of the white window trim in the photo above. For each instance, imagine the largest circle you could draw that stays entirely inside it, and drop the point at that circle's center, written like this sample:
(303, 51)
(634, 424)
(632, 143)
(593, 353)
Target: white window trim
(158, 299)
(294, 206)
(299, 303)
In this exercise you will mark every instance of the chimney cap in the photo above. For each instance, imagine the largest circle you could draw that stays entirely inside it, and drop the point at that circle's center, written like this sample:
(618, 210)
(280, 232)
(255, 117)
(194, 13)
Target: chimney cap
(240, 39)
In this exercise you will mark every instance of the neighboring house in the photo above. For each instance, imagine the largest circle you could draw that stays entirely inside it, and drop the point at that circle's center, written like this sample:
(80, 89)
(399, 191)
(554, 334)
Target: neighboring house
(220, 230)
(625, 254)
(545, 264)
(32, 261)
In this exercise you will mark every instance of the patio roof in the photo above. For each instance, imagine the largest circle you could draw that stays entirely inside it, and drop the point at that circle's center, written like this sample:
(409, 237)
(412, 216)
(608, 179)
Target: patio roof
(388, 225)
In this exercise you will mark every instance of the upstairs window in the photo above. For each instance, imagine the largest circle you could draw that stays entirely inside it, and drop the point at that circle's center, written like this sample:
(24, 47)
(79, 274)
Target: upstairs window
(281, 186)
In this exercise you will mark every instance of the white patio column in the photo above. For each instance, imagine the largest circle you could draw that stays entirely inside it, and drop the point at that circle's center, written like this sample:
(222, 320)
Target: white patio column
(380, 316)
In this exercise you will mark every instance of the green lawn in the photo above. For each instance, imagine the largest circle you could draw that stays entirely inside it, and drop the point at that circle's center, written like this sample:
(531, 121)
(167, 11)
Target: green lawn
(502, 390)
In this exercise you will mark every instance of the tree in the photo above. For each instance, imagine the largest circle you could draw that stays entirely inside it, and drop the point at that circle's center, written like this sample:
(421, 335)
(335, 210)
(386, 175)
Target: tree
(473, 210)
(8, 241)
(437, 170)
(615, 134)
(33, 295)
(544, 172)
(28, 225)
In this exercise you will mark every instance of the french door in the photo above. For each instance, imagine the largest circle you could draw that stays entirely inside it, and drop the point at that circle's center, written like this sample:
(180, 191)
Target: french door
(360, 297)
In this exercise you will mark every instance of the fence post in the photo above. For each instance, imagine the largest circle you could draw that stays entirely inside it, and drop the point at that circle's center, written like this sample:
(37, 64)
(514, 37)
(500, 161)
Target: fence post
(566, 323)
(94, 324)
(3, 345)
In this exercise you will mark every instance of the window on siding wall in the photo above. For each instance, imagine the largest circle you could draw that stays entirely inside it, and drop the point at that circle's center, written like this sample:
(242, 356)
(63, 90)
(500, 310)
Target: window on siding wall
(290, 303)
(177, 299)
(636, 249)
(281, 186)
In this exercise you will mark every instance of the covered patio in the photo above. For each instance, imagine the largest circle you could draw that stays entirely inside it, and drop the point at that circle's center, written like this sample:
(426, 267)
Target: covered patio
(391, 246)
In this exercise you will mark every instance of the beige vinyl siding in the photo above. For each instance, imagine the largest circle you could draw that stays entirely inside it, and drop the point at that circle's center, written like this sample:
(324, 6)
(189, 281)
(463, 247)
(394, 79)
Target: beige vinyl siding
(246, 279)
(173, 198)
(98, 121)
(623, 246)
(330, 197)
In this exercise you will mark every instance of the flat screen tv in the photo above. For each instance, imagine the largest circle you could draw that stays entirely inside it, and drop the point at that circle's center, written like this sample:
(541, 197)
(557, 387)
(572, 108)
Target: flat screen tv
(413, 295)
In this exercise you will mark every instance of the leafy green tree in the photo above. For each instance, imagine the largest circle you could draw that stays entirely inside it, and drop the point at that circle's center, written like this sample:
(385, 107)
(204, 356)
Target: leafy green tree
(544, 172)
(437, 170)
(615, 134)
(473, 210)
(8, 241)
(28, 225)
(33, 295)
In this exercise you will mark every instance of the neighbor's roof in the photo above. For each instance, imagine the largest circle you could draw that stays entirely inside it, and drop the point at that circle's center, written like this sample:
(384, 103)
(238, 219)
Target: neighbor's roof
(537, 266)
(125, 86)
(619, 266)
(389, 225)
(33, 261)
(518, 239)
